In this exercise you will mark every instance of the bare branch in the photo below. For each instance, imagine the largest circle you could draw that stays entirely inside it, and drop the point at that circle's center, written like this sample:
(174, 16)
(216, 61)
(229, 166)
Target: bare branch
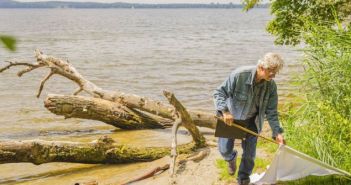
(187, 121)
(60, 67)
(80, 89)
(184, 119)
(15, 63)
(199, 156)
(43, 82)
(151, 173)
(29, 69)
(174, 154)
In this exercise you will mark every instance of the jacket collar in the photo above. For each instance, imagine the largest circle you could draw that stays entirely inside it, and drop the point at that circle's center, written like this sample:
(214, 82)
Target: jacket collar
(251, 78)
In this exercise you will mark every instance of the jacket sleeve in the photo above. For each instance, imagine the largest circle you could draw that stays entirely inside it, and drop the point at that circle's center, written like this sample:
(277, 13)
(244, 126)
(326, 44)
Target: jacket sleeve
(272, 112)
(224, 91)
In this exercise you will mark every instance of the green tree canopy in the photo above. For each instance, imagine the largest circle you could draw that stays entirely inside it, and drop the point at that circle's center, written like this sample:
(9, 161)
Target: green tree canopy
(288, 25)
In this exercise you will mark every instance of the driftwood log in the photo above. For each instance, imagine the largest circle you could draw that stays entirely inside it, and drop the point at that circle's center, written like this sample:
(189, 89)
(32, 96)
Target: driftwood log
(126, 111)
(133, 102)
(102, 110)
(105, 150)
(54, 104)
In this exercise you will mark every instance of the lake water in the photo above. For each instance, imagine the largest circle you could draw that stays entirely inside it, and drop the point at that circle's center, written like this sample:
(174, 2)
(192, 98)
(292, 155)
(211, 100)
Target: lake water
(187, 51)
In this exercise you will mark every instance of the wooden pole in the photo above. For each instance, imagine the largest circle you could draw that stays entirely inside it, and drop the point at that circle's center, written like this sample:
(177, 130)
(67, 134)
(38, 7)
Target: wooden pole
(250, 132)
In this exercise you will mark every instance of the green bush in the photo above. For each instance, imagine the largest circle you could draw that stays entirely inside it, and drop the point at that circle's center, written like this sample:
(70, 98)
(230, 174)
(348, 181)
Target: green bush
(321, 125)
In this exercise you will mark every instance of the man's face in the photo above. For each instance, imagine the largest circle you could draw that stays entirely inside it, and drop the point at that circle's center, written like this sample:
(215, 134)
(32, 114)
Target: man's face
(267, 74)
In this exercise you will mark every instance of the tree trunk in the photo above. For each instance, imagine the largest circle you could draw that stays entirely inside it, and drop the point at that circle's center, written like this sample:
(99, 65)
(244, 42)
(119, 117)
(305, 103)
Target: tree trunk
(114, 114)
(126, 111)
(65, 69)
(105, 150)
(102, 110)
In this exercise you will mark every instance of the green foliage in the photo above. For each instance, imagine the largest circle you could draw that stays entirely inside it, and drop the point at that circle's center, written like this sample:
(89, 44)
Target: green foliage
(321, 125)
(248, 4)
(9, 42)
(324, 180)
(289, 24)
(267, 146)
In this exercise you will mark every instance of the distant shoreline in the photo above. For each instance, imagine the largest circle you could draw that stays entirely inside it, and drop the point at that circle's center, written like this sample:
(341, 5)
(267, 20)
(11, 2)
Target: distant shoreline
(151, 8)
(10, 4)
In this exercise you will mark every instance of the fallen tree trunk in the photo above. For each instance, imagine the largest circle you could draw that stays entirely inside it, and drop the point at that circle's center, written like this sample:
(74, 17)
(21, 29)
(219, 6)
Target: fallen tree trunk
(105, 150)
(102, 110)
(65, 69)
(115, 108)
(111, 113)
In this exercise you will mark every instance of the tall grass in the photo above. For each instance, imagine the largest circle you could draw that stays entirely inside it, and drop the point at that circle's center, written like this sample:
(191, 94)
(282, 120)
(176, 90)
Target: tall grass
(321, 125)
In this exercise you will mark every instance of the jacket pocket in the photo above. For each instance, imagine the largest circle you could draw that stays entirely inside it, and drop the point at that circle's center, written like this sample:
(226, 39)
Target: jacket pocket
(240, 96)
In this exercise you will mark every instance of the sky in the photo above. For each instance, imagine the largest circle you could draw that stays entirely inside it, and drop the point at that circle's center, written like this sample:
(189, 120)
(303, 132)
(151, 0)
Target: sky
(145, 1)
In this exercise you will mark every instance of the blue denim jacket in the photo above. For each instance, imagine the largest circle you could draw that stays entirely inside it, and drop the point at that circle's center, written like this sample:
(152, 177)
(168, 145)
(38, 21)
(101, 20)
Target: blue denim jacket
(236, 96)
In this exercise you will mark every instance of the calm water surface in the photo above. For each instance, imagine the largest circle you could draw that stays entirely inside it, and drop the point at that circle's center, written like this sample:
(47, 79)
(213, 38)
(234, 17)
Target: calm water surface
(187, 51)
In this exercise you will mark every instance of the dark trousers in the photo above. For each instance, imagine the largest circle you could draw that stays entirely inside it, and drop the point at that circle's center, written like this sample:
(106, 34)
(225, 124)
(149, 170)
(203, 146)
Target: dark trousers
(248, 145)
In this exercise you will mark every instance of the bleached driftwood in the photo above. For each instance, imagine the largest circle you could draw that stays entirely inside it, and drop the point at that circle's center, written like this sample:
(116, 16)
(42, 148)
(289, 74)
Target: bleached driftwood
(184, 119)
(102, 110)
(64, 68)
(112, 107)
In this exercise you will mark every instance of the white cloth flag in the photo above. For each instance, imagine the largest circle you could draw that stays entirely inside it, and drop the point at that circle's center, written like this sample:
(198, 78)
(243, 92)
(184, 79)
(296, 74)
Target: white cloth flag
(289, 164)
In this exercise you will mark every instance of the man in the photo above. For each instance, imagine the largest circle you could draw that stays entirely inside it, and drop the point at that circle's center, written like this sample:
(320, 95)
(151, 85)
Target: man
(248, 96)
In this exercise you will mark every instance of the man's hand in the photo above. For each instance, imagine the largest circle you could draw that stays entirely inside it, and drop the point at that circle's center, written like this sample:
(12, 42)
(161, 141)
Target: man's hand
(280, 139)
(228, 118)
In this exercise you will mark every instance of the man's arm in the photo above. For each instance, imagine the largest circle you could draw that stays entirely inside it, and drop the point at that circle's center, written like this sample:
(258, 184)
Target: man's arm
(221, 94)
(272, 114)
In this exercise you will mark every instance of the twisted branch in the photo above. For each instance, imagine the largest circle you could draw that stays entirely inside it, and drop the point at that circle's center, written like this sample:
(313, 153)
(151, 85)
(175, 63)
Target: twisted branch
(187, 121)
(29, 69)
(174, 154)
(43, 82)
(17, 63)
(184, 119)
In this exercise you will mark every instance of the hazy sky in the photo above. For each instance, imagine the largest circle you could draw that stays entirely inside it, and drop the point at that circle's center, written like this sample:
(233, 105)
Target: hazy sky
(146, 1)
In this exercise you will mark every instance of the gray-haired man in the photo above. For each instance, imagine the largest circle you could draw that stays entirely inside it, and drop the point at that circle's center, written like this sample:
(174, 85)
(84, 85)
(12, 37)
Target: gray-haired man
(249, 95)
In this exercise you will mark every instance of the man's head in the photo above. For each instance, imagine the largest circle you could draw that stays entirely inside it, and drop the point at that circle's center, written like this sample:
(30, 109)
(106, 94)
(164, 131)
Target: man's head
(269, 66)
